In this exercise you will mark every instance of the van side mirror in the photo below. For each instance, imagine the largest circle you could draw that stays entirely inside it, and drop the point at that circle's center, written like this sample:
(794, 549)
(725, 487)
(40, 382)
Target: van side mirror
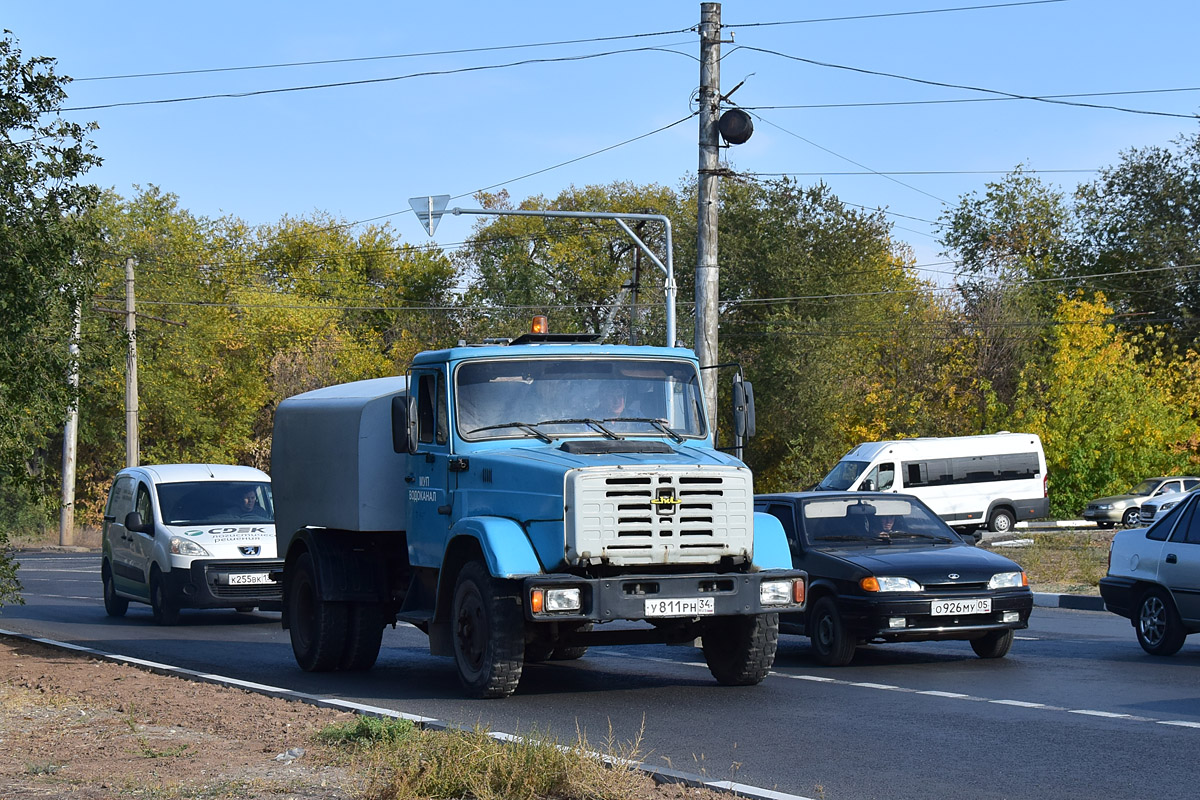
(404, 424)
(743, 408)
(133, 522)
(867, 486)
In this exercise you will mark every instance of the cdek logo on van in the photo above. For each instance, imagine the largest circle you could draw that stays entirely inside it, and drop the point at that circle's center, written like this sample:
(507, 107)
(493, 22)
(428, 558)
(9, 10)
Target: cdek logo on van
(259, 530)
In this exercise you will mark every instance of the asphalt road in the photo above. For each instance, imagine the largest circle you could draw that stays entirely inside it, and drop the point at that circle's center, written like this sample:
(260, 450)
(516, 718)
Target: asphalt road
(1076, 710)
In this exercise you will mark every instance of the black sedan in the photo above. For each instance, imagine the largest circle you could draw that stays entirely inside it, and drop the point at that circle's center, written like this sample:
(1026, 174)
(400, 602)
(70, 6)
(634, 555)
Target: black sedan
(882, 567)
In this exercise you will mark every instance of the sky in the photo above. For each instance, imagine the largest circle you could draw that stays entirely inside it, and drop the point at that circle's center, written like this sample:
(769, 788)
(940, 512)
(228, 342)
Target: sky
(608, 95)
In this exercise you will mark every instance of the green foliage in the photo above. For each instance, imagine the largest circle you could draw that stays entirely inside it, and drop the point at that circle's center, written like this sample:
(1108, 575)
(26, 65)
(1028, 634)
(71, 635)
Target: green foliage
(367, 731)
(1105, 419)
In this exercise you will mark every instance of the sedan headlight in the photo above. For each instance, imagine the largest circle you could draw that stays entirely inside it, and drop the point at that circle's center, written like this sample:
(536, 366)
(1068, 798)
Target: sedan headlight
(186, 547)
(889, 584)
(1167, 505)
(1008, 580)
(1105, 507)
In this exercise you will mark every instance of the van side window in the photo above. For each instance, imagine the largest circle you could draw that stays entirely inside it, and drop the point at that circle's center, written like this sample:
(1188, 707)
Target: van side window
(883, 476)
(143, 507)
(120, 499)
(971, 469)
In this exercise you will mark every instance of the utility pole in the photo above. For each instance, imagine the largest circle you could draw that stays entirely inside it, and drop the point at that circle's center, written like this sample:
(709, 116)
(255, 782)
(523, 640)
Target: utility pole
(131, 388)
(66, 517)
(707, 285)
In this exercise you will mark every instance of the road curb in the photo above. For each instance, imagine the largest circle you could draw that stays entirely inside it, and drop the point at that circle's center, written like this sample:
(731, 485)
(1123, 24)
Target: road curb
(658, 774)
(1081, 602)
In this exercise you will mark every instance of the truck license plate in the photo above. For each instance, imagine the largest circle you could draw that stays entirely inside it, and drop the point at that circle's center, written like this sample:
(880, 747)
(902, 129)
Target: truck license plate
(975, 605)
(249, 578)
(685, 607)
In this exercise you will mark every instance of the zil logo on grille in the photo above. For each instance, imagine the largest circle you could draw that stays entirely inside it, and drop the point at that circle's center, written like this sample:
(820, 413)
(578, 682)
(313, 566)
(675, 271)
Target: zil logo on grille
(665, 501)
(252, 550)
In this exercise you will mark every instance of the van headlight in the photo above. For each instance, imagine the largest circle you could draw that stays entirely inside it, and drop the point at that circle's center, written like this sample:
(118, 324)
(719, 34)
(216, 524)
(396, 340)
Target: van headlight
(181, 546)
(1007, 580)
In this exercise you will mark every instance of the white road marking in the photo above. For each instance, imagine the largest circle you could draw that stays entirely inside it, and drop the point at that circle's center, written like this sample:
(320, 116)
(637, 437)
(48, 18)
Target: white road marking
(1018, 703)
(1105, 714)
(1180, 722)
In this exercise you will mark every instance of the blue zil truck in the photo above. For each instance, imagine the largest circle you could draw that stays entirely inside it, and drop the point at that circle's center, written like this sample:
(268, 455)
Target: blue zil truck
(520, 502)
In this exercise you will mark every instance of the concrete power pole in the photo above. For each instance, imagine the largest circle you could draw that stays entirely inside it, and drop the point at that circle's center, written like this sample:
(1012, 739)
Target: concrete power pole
(707, 284)
(66, 517)
(131, 386)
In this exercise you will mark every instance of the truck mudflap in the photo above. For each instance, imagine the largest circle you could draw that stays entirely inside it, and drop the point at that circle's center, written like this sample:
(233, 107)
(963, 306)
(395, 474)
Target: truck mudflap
(566, 598)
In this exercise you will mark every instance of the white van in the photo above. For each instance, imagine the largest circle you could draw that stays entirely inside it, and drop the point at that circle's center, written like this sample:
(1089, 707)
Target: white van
(969, 481)
(189, 536)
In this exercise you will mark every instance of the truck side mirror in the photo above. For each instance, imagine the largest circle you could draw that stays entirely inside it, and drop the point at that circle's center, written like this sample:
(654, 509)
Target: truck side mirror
(404, 424)
(133, 522)
(743, 408)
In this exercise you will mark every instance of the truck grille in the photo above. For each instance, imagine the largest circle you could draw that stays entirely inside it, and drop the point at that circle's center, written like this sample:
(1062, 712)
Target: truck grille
(664, 516)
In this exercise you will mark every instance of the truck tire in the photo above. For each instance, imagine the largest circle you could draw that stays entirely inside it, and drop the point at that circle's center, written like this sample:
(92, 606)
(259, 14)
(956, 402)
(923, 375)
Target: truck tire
(572, 653)
(165, 607)
(741, 650)
(364, 634)
(488, 631)
(317, 627)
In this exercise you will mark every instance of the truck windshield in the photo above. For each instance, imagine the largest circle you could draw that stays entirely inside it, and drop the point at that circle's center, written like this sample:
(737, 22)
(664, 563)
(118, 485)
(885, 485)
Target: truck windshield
(215, 503)
(550, 398)
(843, 474)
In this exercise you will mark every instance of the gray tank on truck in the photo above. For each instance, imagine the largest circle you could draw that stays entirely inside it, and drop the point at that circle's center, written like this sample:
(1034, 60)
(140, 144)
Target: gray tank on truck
(513, 502)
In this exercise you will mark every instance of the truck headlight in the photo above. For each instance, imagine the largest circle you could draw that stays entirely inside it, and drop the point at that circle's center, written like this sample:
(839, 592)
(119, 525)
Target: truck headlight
(1008, 580)
(550, 601)
(186, 547)
(780, 593)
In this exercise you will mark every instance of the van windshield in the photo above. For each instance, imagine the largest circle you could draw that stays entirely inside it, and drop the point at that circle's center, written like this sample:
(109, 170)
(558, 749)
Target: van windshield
(843, 475)
(215, 503)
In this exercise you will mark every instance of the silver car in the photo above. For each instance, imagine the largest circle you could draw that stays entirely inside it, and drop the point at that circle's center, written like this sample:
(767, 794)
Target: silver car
(1124, 509)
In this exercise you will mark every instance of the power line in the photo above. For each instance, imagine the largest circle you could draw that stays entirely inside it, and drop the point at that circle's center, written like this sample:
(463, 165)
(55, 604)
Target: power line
(944, 85)
(918, 172)
(367, 81)
(892, 14)
(966, 100)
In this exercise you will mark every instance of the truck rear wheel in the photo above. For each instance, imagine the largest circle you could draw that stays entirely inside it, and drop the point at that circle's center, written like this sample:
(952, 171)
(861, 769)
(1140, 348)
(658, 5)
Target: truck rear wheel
(363, 637)
(317, 627)
(488, 631)
(741, 650)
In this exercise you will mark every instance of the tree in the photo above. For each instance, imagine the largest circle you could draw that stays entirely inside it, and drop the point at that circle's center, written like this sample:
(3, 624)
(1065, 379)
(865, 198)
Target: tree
(1106, 417)
(1140, 228)
(42, 224)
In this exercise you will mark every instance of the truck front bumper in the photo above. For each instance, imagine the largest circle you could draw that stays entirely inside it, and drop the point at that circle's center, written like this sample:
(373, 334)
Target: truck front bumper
(661, 597)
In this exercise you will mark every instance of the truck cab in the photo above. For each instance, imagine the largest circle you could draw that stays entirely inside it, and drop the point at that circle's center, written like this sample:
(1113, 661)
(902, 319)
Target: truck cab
(511, 500)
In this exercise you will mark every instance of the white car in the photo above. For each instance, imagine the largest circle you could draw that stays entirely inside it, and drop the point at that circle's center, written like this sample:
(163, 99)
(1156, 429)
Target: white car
(189, 536)
(1154, 509)
(1153, 578)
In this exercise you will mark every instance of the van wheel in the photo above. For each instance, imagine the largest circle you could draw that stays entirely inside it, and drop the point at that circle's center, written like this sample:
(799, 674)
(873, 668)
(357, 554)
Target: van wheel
(114, 605)
(741, 650)
(488, 632)
(1001, 521)
(317, 627)
(165, 607)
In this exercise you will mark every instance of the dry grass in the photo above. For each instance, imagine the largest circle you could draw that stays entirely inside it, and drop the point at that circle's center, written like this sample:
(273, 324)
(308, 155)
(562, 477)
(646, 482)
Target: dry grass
(45, 538)
(1068, 561)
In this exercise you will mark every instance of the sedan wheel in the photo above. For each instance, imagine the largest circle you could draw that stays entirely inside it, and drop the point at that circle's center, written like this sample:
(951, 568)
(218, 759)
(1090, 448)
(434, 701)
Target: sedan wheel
(1159, 630)
(1131, 516)
(834, 648)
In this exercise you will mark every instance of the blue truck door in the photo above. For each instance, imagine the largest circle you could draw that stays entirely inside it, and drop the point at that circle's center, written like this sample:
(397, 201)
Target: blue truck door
(430, 493)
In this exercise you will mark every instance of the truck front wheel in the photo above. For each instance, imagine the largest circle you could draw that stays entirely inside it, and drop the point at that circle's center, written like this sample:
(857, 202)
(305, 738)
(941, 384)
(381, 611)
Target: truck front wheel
(741, 650)
(317, 627)
(489, 641)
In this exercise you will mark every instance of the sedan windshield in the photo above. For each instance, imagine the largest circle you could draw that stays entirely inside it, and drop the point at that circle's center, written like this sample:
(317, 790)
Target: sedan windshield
(1144, 489)
(215, 503)
(554, 397)
(852, 521)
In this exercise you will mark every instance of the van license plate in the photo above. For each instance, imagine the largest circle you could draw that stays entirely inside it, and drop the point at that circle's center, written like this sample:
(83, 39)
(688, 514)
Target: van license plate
(976, 605)
(249, 579)
(685, 607)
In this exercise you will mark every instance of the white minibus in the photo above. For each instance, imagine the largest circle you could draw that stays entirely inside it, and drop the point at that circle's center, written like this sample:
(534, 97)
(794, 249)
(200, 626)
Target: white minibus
(969, 481)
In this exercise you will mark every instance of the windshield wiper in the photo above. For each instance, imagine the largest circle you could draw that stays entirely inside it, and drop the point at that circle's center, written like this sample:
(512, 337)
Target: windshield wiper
(843, 539)
(594, 423)
(896, 534)
(528, 427)
(659, 423)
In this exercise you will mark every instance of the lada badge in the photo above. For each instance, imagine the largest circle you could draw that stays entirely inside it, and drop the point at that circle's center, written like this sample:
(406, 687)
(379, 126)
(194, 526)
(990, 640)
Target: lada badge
(953, 576)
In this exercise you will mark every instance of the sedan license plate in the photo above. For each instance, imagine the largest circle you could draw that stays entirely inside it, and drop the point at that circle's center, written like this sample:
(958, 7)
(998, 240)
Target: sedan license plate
(681, 607)
(974, 605)
(249, 579)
